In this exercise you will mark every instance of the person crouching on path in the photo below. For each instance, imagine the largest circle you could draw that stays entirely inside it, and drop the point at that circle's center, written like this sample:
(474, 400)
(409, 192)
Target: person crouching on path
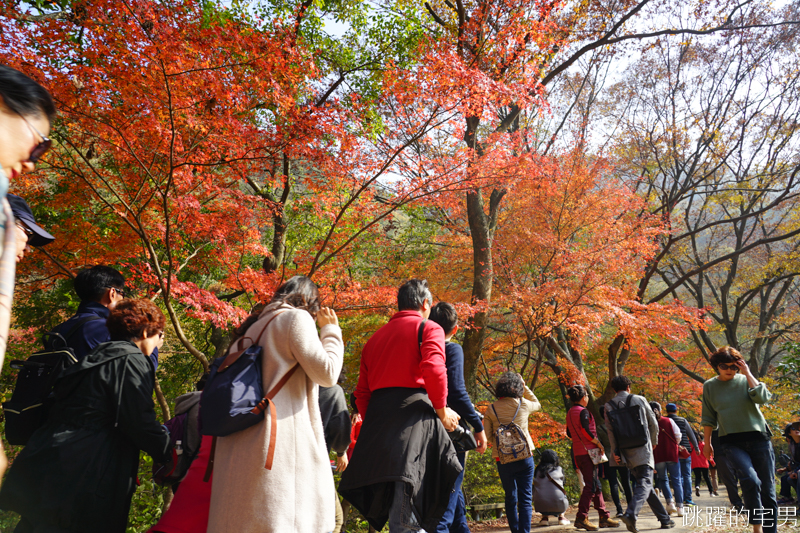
(583, 432)
(404, 466)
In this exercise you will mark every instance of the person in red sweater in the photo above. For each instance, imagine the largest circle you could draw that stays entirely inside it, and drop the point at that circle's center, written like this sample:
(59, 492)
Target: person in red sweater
(403, 466)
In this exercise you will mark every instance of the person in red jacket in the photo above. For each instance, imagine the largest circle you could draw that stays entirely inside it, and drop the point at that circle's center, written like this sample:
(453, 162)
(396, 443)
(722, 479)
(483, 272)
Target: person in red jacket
(582, 430)
(666, 458)
(404, 465)
(700, 466)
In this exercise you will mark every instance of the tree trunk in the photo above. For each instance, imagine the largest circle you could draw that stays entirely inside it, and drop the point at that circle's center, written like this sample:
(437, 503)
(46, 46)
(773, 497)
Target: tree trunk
(482, 227)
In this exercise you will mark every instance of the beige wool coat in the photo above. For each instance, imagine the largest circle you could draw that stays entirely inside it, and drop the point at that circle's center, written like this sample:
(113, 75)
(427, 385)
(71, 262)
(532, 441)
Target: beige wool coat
(296, 496)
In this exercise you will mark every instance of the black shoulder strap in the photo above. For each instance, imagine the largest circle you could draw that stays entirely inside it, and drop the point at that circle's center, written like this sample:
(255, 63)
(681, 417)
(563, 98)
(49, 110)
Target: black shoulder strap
(628, 401)
(48, 339)
(419, 333)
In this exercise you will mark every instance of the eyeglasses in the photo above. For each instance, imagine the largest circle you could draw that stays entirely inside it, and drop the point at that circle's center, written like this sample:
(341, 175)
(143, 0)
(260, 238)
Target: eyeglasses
(25, 228)
(160, 334)
(731, 366)
(121, 292)
(40, 149)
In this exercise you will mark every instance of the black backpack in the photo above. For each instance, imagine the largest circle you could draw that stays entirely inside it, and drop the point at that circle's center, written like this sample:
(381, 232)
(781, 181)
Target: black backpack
(30, 402)
(630, 431)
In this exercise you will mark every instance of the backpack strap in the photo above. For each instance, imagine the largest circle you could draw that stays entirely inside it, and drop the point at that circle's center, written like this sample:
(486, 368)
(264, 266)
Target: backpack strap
(420, 331)
(48, 344)
(512, 418)
(273, 415)
(232, 357)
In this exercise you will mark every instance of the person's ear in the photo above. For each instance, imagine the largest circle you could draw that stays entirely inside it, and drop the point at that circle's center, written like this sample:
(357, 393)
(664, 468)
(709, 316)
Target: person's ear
(455, 330)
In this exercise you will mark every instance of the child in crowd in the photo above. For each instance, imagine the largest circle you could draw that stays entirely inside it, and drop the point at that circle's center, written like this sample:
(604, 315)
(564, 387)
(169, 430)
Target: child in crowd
(549, 497)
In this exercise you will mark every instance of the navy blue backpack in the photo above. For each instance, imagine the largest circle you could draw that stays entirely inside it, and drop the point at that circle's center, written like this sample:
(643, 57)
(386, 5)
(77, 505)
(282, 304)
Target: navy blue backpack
(233, 398)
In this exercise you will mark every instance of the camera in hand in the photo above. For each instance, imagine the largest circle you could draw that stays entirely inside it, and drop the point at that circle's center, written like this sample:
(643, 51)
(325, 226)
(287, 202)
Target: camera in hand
(462, 437)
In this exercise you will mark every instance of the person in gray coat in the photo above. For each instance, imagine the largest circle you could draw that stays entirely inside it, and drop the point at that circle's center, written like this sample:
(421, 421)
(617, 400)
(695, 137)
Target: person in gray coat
(638, 460)
(549, 496)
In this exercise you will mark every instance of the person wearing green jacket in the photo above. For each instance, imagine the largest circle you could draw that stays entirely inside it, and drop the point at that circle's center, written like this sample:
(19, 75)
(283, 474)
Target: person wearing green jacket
(730, 403)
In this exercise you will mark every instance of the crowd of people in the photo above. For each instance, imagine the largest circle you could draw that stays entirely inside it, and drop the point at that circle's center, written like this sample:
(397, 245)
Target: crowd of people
(401, 452)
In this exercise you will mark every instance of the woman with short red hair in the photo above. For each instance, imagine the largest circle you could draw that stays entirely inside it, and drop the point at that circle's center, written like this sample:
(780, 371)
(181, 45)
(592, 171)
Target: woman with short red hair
(78, 471)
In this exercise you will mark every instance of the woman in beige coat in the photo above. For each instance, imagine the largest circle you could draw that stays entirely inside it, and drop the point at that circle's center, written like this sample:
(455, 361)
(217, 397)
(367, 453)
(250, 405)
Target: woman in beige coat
(295, 495)
(515, 402)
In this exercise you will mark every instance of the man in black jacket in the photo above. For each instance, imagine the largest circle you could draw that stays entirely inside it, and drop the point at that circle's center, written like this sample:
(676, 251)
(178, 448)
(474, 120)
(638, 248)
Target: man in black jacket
(689, 442)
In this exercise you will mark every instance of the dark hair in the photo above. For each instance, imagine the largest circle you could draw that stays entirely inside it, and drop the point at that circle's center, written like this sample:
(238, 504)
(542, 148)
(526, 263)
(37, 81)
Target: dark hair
(24, 96)
(299, 292)
(655, 406)
(620, 383)
(726, 354)
(445, 315)
(353, 402)
(510, 385)
(576, 392)
(548, 461)
(91, 283)
(412, 294)
(132, 319)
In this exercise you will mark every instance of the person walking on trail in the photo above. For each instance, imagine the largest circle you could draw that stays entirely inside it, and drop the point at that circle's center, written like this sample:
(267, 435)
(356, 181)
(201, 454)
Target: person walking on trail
(515, 403)
(726, 474)
(404, 465)
(582, 430)
(444, 314)
(638, 459)
(700, 468)
(730, 403)
(665, 455)
(100, 289)
(688, 443)
(615, 474)
(336, 426)
(296, 494)
(78, 471)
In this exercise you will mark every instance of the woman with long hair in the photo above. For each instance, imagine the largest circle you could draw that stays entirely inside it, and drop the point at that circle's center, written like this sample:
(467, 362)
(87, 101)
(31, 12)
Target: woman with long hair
(295, 494)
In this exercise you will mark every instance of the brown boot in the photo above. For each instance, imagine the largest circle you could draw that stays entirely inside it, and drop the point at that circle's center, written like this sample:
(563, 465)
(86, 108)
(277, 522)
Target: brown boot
(584, 524)
(609, 522)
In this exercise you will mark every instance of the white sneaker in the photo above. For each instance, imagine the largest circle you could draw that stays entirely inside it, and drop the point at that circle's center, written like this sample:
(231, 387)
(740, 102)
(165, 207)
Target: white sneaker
(671, 509)
(564, 522)
(545, 521)
(680, 510)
